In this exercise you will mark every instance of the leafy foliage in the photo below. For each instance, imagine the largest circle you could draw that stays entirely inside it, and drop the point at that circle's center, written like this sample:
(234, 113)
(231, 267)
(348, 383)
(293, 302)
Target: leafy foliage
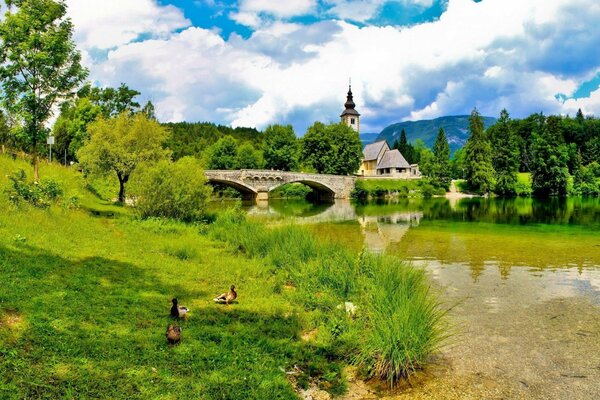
(113, 102)
(332, 149)
(120, 144)
(39, 194)
(223, 154)
(40, 64)
(281, 150)
(171, 189)
(248, 157)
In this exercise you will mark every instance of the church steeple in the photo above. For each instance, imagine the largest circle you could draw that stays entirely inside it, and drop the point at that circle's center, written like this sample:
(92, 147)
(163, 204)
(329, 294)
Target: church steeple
(350, 116)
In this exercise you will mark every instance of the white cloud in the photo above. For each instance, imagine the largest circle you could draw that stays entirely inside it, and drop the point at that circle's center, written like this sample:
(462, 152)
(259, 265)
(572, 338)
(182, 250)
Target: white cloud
(278, 8)
(492, 54)
(105, 24)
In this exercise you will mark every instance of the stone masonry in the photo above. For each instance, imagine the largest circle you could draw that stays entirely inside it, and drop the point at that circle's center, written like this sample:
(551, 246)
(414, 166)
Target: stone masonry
(256, 184)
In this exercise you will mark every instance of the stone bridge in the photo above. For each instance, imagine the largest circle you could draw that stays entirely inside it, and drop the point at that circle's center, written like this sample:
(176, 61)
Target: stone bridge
(256, 184)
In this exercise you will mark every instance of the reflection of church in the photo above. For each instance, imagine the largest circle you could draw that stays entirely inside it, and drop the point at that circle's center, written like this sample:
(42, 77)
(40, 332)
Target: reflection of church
(378, 159)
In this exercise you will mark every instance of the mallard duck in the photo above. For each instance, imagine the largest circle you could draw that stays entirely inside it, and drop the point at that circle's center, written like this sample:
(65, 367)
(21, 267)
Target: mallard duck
(173, 334)
(227, 297)
(178, 311)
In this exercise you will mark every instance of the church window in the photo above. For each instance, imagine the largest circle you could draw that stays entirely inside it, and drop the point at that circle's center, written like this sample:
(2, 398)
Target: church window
(352, 121)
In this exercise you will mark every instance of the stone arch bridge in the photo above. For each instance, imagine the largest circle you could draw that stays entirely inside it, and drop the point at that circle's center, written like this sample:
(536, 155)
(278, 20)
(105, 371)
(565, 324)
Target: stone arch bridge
(256, 184)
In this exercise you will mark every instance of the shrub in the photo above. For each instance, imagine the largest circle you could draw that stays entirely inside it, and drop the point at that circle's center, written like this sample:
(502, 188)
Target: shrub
(174, 190)
(39, 194)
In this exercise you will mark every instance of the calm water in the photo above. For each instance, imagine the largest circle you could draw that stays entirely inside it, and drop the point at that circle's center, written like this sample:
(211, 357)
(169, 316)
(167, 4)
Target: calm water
(521, 278)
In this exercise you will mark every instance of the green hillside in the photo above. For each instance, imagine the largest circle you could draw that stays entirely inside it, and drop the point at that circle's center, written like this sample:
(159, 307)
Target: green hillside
(456, 128)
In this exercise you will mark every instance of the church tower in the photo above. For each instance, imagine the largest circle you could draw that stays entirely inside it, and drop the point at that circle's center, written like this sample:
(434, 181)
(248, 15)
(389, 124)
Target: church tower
(350, 116)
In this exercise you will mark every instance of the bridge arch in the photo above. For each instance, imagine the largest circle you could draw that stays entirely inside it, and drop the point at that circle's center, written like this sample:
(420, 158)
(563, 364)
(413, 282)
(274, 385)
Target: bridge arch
(323, 191)
(248, 192)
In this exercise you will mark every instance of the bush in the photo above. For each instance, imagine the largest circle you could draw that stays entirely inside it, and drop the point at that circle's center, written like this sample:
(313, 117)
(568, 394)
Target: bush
(39, 194)
(173, 190)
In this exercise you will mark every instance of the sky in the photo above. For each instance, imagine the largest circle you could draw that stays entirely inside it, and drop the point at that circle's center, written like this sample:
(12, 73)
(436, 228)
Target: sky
(259, 62)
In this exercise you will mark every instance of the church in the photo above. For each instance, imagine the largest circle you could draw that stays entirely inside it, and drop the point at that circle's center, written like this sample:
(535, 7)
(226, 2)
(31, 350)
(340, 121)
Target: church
(378, 159)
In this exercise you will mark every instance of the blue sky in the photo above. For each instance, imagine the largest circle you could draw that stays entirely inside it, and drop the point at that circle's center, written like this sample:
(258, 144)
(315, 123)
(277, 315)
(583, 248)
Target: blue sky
(259, 62)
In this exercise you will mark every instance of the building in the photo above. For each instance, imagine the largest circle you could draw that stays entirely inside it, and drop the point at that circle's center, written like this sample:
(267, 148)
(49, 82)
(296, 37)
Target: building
(350, 116)
(380, 161)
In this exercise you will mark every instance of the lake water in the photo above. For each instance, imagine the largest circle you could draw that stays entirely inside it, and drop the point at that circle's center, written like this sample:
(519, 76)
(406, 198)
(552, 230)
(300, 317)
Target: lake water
(521, 278)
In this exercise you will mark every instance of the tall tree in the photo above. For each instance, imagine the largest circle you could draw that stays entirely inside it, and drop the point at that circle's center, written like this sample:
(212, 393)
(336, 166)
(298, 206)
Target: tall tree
(39, 65)
(442, 171)
(505, 156)
(70, 129)
(479, 169)
(332, 149)
(407, 149)
(248, 157)
(549, 172)
(120, 144)
(281, 148)
(316, 147)
(113, 101)
(223, 154)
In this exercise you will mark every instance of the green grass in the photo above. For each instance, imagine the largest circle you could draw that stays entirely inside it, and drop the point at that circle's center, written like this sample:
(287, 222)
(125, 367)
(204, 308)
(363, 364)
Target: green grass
(379, 188)
(86, 296)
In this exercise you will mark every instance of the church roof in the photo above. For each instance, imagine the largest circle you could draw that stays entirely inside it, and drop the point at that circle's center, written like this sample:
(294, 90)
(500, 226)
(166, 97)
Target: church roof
(393, 159)
(372, 150)
(349, 105)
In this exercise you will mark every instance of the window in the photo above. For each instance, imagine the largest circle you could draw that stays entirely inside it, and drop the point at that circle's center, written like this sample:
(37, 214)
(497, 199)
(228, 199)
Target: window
(352, 121)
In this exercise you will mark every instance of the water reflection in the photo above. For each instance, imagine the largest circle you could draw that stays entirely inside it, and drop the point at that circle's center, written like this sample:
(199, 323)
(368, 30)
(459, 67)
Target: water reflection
(480, 234)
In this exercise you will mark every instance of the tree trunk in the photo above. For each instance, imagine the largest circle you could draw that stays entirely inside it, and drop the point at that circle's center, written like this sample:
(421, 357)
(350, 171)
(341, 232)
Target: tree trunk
(3, 149)
(122, 181)
(36, 162)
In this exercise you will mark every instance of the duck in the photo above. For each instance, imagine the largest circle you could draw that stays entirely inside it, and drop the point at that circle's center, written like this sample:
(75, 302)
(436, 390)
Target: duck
(178, 311)
(173, 334)
(227, 297)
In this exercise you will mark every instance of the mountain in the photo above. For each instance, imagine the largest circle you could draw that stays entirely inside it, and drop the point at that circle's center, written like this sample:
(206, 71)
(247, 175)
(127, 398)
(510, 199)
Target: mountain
(456, 128)
(367, 138)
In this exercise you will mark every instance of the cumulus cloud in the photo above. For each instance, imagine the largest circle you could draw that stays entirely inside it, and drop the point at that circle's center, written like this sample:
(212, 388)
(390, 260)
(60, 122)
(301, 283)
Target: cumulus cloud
(105, 24)
(493, 54)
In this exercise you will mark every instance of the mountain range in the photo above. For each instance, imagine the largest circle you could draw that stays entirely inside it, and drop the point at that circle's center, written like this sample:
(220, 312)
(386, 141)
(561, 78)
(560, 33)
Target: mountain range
(456, 128)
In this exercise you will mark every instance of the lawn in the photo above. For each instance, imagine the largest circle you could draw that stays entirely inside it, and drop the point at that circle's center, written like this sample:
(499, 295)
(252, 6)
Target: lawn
(85, 302)
(86, 293)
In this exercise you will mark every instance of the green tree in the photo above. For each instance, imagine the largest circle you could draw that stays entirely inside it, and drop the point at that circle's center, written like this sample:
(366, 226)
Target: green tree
(332, 149)
(424, 157)
(549, 172)
(316, 147)
(442, 171)
(149, 111)
(223, 154)
(479, 169)
(248, 157)
(39, 64)
(505, 155)
(171, 189)
(122, 143)
(281, 148)
(6, 135)
(458, 164)
(113, 101)
(70, 129)
(407, 149)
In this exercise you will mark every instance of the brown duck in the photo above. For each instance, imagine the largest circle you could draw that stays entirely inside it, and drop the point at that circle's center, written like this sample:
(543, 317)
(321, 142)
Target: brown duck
(173, 334)
(227, 297)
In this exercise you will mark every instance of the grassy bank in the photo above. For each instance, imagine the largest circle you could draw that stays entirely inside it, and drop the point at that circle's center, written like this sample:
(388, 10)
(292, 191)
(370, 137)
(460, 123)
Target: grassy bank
(402, 188)
(87, 290)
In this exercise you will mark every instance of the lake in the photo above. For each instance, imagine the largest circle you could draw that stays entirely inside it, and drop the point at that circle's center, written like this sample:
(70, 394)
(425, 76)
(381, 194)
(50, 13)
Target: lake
(520, 277)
